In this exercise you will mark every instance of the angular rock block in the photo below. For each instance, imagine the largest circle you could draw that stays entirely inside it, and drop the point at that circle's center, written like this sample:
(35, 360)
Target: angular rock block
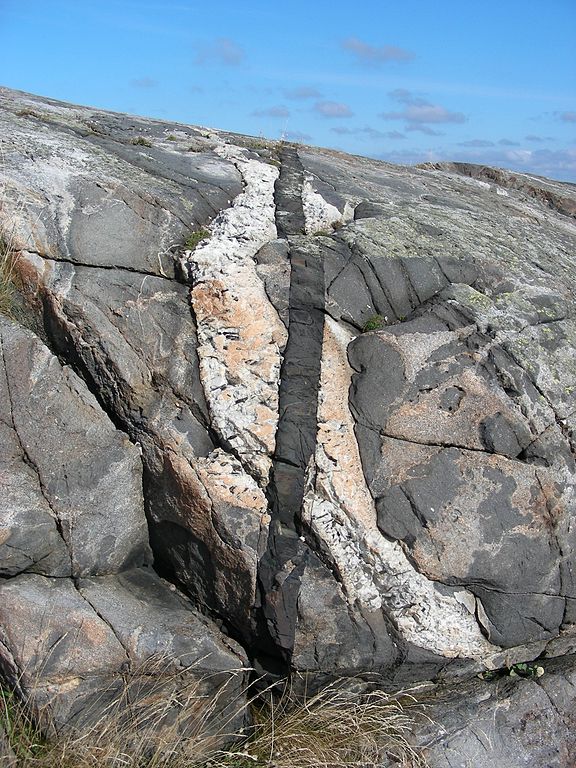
(78, 654)
(71, 483)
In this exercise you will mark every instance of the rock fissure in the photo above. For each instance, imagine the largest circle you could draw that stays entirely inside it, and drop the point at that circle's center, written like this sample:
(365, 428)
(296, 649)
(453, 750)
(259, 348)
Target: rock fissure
(102, 618)
(111, 267)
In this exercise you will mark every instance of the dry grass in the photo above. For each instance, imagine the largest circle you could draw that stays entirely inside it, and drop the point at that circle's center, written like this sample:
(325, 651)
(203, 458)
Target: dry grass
(9, 255)
(337, 727)
(152, 725)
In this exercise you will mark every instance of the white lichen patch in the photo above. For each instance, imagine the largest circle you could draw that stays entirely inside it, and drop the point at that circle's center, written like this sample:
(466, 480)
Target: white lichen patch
(319, 214)
(340, 511)
(239, 332)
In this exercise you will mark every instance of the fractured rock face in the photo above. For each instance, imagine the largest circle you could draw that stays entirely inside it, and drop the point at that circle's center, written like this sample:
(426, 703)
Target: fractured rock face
(72, 506)
(70, 650)
(73, 487)
(397, 500)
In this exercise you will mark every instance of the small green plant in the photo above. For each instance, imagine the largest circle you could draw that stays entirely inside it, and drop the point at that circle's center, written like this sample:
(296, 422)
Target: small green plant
(522, 669)
(171, 137)
(142, 142)
(195, 237)
(374, 323)
(321, 233)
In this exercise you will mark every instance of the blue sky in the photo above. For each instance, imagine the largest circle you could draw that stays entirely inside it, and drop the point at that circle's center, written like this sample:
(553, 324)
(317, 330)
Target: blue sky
(406, 81)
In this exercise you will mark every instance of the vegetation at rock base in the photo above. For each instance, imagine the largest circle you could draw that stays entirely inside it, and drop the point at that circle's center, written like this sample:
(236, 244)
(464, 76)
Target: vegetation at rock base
(337, 727)
(195, 237)
(522, 669)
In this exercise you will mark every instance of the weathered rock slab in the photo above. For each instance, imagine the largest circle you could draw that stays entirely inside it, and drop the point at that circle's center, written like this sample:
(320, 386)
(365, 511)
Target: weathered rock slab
(508, 723)
(74, 651)
(73, 486)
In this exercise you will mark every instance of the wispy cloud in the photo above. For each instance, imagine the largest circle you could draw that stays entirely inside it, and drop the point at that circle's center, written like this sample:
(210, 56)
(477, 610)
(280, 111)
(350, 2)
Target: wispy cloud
(419, 111)
(300, 94)
(332, 109)
(538, 139)
(222, 50)
(374, 55)
(478, 143)
(371, 133)
(508, 143)
(423, 128)
(144, 82)
(568, 117)
(278, 111)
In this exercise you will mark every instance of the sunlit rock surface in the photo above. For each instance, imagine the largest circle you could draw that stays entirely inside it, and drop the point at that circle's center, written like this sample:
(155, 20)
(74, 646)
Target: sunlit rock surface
(342, 424)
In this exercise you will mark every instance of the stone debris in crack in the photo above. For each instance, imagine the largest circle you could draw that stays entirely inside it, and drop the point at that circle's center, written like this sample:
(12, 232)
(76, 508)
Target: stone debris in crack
(239, 332)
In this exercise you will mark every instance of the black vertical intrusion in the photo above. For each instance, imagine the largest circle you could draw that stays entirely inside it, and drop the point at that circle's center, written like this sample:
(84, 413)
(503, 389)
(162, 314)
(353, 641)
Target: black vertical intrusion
(282, 565)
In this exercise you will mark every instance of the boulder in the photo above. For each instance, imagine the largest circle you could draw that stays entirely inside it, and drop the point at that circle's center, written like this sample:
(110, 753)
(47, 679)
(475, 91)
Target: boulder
(72, 487)
(84, 620)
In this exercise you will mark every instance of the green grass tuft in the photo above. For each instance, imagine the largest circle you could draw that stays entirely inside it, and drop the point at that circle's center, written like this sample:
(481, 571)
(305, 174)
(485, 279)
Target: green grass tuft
(196, 237)
(374, 323)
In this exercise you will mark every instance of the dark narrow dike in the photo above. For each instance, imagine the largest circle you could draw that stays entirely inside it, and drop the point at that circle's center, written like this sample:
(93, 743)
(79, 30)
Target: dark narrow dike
(284, 562)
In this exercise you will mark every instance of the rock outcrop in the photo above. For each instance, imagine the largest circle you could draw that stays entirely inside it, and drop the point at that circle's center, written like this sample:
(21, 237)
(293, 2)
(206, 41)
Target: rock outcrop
(332, 400)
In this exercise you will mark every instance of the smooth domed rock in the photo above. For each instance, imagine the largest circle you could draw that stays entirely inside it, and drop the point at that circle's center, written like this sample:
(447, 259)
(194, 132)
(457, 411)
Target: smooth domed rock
(355, 395)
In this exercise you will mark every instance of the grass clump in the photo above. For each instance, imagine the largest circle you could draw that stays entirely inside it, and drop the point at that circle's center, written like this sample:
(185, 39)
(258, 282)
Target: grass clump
(23, 735)
(374, 323)
(142, 142)
(337, 727)
(9, 255)
(195, 237)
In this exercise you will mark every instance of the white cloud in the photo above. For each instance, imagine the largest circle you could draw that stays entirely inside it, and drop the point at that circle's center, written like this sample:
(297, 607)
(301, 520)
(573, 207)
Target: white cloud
(478, 143)
(299, 94)
(419, 111)
(372, 133)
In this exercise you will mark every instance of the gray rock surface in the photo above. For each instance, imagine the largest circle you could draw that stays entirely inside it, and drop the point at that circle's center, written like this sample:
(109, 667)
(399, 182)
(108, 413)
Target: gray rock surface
(507, 723)
(78, 620)
(355, 397)
(72, 486)
(73, 649)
